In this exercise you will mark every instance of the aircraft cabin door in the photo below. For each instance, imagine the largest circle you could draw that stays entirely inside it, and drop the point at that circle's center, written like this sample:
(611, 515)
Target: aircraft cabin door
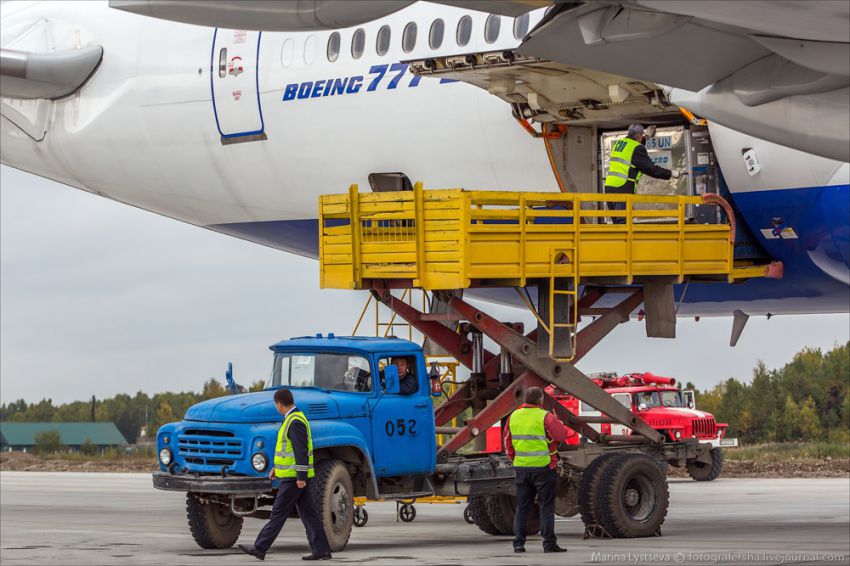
(235, 85)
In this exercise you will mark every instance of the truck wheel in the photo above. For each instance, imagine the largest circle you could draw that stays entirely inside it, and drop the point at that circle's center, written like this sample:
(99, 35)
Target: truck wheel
(467, 515)
(478, 510)
(633, 497)
(588, 495)
(334, 497)
(212, 525)
(707, 472)
(501, 510)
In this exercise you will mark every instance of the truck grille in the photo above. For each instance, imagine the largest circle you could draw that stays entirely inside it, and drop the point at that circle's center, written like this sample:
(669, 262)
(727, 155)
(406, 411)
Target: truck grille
(317, 409)
(704, 428)
(209, 447)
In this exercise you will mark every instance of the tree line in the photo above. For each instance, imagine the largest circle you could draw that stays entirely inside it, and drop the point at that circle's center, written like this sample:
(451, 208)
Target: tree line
(130, 414)
(807, 399)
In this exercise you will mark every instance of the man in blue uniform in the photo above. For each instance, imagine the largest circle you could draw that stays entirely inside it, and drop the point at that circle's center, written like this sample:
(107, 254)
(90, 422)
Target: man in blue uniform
(293, 465)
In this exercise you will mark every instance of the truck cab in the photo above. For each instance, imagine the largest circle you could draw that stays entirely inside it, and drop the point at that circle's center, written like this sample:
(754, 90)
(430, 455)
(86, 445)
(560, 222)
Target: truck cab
(373, 435)
(659, 402)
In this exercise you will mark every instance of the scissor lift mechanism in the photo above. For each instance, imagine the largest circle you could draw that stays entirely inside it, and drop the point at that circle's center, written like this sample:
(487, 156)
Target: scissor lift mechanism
(448, 240)
(445, 241)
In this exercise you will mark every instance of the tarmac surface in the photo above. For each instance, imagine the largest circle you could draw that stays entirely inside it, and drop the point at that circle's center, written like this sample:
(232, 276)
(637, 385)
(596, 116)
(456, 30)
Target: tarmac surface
(80, 518)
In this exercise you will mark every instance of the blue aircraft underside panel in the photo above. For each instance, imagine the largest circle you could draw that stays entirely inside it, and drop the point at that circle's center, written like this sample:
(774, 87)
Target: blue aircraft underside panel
(817, 260)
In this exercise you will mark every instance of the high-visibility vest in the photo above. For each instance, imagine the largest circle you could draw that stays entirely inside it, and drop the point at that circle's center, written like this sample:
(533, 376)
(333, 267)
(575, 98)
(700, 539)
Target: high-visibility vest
(528, 436)
(284, 457)
(620, 169)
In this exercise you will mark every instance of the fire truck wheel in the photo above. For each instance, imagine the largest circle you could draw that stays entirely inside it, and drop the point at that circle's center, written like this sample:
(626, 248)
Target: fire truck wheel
(212, 524)
(707, 472)
(588, 494)
(633, 497)
(502, 509)
(334, 497)
(467, 515)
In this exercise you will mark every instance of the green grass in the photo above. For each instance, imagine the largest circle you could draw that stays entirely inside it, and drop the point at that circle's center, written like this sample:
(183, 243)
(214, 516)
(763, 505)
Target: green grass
(144, 453)
(784, 451)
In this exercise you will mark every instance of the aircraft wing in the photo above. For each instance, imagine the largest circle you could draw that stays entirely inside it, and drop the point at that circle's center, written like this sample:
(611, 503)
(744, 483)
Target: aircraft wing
(777, 70)
(284, 15)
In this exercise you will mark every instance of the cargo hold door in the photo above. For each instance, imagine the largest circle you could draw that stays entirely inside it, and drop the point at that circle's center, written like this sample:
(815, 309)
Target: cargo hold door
(547, 92)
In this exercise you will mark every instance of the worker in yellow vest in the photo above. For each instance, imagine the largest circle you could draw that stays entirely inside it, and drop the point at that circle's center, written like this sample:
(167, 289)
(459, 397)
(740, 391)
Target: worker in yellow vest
(532, 436)
(629, 160)
(293, 466)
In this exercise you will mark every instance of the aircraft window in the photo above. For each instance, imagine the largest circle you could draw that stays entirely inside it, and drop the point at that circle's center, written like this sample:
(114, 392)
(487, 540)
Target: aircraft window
(464, 30)
(491, 28)
(311, 48)
(358, 43)
(333, 46)
(382, 43)
(435, 37)
(287, 53)
(408, 38)
(521, 26)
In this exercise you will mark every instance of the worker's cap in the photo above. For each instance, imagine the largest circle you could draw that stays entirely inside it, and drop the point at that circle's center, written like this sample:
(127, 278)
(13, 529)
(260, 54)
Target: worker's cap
(635, 130)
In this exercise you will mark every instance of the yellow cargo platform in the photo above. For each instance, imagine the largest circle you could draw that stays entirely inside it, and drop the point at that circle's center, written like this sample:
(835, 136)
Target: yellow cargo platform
(453, 239)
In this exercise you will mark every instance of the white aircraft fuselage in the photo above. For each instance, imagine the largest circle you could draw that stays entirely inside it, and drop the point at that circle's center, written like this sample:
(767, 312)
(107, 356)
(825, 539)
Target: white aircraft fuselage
(153, 128)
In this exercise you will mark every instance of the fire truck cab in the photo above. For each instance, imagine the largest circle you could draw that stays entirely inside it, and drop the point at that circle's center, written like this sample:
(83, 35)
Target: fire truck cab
(659, 402)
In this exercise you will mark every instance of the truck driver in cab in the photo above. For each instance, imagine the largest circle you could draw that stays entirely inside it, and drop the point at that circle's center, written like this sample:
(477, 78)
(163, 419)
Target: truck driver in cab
(407, 384)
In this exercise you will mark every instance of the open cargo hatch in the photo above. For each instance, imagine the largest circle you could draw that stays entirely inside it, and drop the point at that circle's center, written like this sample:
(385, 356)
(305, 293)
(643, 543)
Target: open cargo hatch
(549, 92)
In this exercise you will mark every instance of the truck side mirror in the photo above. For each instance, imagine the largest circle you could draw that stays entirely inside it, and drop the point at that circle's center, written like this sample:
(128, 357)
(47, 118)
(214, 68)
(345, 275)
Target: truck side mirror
(391, 379)
(690, 399)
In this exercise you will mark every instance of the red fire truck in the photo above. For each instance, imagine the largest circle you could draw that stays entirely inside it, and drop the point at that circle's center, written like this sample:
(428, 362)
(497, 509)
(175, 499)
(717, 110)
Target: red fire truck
(659, 402)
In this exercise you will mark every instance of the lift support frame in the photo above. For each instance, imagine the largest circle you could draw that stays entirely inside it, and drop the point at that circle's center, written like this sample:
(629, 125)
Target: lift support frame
(534, 369)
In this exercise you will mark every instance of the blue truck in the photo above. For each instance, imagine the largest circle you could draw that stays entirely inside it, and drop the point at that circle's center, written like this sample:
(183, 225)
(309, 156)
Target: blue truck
(372, 441)
(368, 439)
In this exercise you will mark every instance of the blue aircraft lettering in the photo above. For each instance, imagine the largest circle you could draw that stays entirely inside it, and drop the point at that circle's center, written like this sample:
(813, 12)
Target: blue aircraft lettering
(353, 85)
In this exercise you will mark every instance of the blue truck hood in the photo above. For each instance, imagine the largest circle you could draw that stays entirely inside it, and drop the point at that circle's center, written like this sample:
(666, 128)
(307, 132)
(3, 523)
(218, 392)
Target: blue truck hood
(259, 407)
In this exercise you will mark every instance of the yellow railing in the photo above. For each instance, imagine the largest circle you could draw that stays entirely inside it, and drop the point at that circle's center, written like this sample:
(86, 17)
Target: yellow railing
(451, 239)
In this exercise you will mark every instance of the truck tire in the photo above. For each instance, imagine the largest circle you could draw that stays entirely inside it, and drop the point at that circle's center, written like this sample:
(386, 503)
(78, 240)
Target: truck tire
(480, 515)
(588, 495)
(633, 497)
(707, 472)
(212, 525)
(334, 496)
(501, 510)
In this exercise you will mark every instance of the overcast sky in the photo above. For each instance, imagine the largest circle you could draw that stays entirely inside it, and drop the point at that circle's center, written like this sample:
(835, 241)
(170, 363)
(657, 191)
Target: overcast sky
(99, 298)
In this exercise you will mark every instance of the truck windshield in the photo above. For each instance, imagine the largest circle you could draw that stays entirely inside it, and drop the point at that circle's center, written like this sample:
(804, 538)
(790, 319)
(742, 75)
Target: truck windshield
(659, 399)
(339, 372)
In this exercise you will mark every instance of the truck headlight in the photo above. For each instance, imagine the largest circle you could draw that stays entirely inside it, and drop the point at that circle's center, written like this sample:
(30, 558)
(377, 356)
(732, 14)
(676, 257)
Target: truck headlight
(165, 456)
(678, 434)
(259, 461)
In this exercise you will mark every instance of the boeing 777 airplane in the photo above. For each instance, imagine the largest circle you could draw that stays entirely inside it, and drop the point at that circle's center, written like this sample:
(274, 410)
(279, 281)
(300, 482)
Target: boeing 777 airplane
(236, 116)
